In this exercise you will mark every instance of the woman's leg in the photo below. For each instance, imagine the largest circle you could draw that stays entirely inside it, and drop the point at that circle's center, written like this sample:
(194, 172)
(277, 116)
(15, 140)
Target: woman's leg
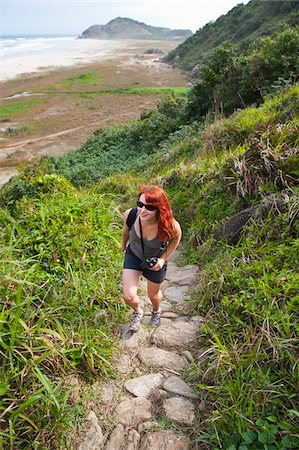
(130, 284)
(155, 294)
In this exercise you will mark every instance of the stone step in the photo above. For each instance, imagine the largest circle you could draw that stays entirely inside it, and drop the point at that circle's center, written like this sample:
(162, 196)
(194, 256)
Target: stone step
(158, 358)
(178, 334)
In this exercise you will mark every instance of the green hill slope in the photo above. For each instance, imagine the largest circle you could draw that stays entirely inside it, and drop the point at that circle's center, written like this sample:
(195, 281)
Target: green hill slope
(241, 26)
(59, 247)
(234, 186)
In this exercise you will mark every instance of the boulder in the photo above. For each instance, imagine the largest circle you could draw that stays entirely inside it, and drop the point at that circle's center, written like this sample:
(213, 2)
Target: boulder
(166, 440)
(132, 340)
(154, 51)
(93, 437)
(179, 409)
(133, 440)
(176, 294)
(157, 358)
(178, 334)
(231, 230)
(116, 438)
(177, 386)
(144, 385)
(131, 412)
(187, 275)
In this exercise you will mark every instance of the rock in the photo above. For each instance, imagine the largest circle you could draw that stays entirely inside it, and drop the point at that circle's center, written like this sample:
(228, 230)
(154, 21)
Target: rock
(166, 440)
(182, 308)
(182, 319)
(198, 320)
(133, 340)
(169, 315)
(116, 438)
(137, 372)
(93, 438)
(107, 393)
(154, 51)
(188, 355)
(146, 426)
(157, 358)
(133, 411)
(163, 394)
(122, 363)
(144, 385)
(187, 275)
(176, 334)
(195, 71)
(177, 294)
(179, 409)
(176, 385)
(166, 306)
(232, 229)
(202, 407)
(133, 440)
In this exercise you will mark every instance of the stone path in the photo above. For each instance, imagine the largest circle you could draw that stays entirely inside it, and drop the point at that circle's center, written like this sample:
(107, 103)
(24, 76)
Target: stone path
(150, 363)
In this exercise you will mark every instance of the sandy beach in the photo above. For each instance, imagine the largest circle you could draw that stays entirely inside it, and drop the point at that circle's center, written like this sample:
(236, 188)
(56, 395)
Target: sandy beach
(61, 52)
(59, 112)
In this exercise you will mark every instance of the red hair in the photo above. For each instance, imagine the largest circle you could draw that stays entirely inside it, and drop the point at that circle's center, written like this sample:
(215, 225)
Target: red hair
(155, 196)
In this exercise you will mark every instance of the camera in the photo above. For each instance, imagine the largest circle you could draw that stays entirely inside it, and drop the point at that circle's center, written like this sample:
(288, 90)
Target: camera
(148, 263)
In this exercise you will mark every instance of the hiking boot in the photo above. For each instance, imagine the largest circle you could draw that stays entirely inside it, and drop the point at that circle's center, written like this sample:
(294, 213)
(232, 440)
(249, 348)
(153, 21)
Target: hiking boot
(156, 317)
(136, 321)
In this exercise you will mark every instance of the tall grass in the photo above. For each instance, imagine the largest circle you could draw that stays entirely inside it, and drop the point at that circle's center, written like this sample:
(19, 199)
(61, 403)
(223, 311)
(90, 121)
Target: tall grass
(60, 301)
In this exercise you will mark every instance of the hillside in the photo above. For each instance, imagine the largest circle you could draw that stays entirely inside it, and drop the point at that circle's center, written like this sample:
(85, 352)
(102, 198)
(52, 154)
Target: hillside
(241, 26)
(125, 28)
(230, 169)
(60, 247)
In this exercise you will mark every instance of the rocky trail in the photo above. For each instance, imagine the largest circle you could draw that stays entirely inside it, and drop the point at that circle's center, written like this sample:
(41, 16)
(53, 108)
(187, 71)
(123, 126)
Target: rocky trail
(150, 388)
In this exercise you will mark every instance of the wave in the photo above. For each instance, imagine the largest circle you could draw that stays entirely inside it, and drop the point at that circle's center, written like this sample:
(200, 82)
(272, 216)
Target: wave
(20, 46)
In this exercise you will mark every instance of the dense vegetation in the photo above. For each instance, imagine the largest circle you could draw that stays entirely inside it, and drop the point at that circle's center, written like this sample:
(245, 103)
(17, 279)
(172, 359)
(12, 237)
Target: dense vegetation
(228, 81)
(61, 265)
(241, 26)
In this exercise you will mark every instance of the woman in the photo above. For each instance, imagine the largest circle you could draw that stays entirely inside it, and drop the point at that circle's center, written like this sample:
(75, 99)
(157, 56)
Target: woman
(153, 234)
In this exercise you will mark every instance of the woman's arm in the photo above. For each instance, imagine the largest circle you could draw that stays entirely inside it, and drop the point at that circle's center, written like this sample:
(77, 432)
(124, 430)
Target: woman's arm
(125, 235)
(171, 247)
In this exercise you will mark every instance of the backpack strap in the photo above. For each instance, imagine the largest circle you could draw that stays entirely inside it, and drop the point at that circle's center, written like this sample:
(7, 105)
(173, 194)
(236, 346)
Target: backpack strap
(131, 217)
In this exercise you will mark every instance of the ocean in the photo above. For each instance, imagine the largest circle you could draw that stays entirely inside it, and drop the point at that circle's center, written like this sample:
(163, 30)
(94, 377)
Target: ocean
(21, 55)
(13, 46)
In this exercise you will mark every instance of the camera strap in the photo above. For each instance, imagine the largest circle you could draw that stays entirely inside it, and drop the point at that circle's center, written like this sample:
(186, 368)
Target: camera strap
(141, 237)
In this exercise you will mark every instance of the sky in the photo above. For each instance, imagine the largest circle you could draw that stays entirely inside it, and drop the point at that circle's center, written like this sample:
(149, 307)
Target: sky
(72, 17)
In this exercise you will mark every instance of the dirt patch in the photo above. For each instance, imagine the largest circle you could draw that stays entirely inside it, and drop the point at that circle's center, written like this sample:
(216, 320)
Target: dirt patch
(69, 113)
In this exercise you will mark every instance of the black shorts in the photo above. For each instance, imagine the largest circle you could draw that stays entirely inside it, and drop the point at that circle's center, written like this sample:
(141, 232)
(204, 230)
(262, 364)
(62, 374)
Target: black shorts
(133, 262)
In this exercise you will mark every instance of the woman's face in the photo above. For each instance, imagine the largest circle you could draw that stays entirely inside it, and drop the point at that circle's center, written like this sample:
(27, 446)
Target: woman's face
(144, 213)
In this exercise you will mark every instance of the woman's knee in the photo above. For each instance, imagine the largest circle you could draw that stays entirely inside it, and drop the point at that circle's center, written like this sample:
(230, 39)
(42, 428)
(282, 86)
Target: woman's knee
(130, 296)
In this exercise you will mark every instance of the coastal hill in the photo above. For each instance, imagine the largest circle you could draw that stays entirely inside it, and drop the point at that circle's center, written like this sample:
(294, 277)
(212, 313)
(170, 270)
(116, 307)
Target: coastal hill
(241, 25)
(226, 152)
(125, 28)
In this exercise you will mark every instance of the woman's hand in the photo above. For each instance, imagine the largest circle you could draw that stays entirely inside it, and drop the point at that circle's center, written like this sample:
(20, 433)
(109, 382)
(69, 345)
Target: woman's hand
(123, 247)
(159, 265)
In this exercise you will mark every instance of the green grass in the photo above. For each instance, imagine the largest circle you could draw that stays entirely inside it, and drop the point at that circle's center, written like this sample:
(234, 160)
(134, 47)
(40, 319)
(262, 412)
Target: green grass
(19, 131)
(17, 108)
(146, 90)
(60, 274)
(84, 79)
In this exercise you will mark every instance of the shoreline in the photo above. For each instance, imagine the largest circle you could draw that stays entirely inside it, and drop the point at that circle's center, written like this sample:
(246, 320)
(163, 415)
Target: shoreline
(61, 123)
(72, 52)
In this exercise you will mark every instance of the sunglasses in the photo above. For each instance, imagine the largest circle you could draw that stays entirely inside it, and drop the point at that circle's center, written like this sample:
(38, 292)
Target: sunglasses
(148, 207)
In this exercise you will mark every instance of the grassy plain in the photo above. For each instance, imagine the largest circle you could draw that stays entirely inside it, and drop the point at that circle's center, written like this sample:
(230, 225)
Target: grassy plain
(75, 101)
